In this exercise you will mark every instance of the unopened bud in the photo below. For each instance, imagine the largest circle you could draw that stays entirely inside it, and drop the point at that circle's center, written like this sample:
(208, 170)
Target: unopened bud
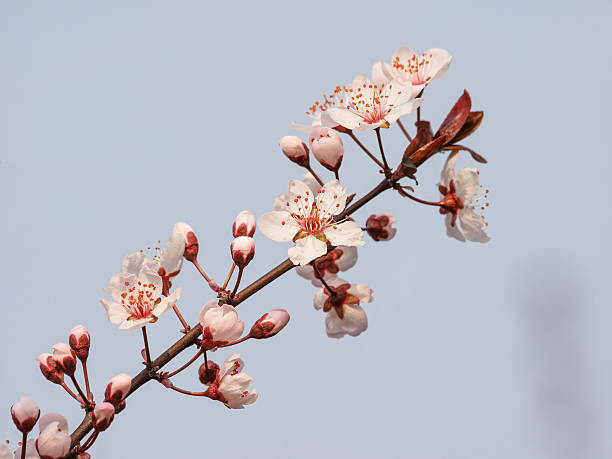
(102, 416)
(270, 324)
(84, 455)
(120, 407)
(208, 374)
(117, 389)
(244, 225)
(50, 369)
(25, 414)
(53, 442)
(379, 227)
(191, 241)
(65, 358)
(80, 341)
(327, 147)
(295, 150)
(243, 250)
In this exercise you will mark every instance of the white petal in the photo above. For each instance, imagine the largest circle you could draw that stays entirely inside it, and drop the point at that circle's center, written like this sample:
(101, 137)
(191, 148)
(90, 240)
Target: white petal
(402, 110)
(404, 54)
(280, 202)
(132, 262)
(467, 184)
(311, 182)
(440, 61)
(229, 365)
(381, 72)
(355, 322)
(361, 291)
(134, 324)
(453, 231)
(319, 298)
(331, 199)
(114, 311)
(271, 224)
(345, 117)
(307, 249)
(348, 259)
(48, 418)
(301, 127)
(448, 171)
(347, 233)
(472, 225)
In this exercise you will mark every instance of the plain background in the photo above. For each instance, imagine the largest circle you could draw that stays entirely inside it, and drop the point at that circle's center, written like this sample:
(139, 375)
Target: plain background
(118, 119)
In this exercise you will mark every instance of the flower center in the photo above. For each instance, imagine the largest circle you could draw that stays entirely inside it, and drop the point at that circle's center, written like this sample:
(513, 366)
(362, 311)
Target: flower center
(140, 300)
(416, 68)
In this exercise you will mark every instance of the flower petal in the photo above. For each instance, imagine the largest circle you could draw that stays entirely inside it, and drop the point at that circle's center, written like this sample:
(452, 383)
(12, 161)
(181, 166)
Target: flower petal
(467, 184)
(453, 231)
(278, 226)
(347, 233)
(331, 199)
(134, 324)
(345, 117)
(473, 225)
(440, 61)
(114, 311)
(448, 171)
(307, 249)
(361, 291)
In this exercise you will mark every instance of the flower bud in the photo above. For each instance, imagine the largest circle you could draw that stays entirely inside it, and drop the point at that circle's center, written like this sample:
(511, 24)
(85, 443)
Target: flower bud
(25, 414)
(65, 358)
(50, 369)
(102, 416)
(84, 455)
(191, 241)
(295, 150)
(117, 388)
(208, 374)
(379, 227)
(79, 342)
(244, 225)
(243, 250)
(327, 147)
(53, 442)
(120, 407)
(270, 324)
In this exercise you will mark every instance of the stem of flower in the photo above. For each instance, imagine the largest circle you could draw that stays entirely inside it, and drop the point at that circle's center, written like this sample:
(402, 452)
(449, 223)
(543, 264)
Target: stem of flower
(146, 345)
(336, 174)
(401, 126)
(205, 360)
(244, 338)
(187, 392)
(186, 327)
(367, 152)
(86, 375)
(309, 169)
(382, 152)
(89, 442)
(199, 268)
(237, 282)
(193, 359)
(318, 275)
(414, 198)
(229, 276)
(80, 391)
(24, 441)
(67, 389)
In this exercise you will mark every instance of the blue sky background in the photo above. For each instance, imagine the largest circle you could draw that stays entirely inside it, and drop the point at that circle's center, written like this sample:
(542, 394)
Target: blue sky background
(118, 119)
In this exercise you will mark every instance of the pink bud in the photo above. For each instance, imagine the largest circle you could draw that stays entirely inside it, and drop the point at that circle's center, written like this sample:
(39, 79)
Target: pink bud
(295, 150)
(244, 225)
(379, 227)
(65, 358)
(84, 455)
(53, 442)
(102, 416)
(243, 250)
(25, 414)
(270, 324)
(327, 147)
(191, 241)
(79, 341)
(50, 369)
(208, 374)
(120, 407)
(118, 388)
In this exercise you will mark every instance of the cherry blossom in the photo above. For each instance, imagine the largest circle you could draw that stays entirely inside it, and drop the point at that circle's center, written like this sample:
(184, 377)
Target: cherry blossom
(459, 199)
(65, 358)
(79, 341)
(117, 389)
(102, 416)
(309, 221)
(30, 452)
(319, 114)
(409, 67)
(329, 265)
(379, 227)
(137, 292)
(270, 324)
(370, 105)
(280, 202)
(327, 147)
(182, 243)
(294, 149)
(344, 314)
(243, 250)
(231, 386)
(50, 369)
(25, 414)
(220, 325)
(53, 441)
(244, 224)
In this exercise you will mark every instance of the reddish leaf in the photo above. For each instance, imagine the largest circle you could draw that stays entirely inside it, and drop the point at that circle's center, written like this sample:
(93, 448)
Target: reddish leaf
(471, 124)
(426, 151)
(456, 118)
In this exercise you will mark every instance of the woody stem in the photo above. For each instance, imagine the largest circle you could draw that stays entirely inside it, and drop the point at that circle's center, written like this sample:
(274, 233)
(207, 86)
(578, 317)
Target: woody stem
(193, 359)
(240, 269)
(187, 392)
(380, 146)
(367, 152)
(401, 126)
(229, 276)
(67, 389)
(309, 169)
(24, 440)
(186, 327)
(199, 268)
(146, 345)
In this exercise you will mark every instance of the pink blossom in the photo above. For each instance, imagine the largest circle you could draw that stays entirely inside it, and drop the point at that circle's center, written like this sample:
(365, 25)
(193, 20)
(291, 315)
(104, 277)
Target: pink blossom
(80, 341)
(244, 225)
(270, 324)
(220, 325)
(25, 414)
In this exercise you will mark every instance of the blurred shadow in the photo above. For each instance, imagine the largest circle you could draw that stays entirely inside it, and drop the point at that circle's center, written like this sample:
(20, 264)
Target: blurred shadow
(554, 328)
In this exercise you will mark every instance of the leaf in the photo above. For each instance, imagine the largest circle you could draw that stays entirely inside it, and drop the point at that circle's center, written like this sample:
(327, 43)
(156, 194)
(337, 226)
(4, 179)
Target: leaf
(477, 157)
(471, 124)
(456, 118)
(426, 151)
